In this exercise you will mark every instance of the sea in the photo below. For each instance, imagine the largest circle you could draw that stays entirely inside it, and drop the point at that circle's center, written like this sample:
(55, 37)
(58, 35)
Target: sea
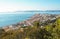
(9, 18)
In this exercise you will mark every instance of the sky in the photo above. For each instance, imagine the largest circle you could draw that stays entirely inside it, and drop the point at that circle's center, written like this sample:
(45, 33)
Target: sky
(19, 5)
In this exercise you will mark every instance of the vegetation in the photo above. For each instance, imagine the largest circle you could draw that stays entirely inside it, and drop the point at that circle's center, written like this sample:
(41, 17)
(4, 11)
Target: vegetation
(49, 31)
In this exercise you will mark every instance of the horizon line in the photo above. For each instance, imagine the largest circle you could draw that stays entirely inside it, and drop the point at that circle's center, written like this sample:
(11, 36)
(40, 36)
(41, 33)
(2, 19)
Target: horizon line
(25, 10)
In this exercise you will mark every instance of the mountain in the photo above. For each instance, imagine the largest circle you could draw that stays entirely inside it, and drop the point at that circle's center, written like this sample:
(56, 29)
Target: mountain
(39, 11)
(52, 10)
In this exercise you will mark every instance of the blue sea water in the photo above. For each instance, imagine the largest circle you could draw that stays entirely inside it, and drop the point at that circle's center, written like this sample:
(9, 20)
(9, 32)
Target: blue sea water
(8, 19)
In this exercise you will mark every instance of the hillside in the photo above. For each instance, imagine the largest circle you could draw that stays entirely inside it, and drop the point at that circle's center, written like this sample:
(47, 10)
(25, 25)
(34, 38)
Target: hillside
(43, 26)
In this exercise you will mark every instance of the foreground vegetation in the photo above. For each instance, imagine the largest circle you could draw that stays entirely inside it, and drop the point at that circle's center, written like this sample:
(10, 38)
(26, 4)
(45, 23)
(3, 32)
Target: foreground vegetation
(49, 31)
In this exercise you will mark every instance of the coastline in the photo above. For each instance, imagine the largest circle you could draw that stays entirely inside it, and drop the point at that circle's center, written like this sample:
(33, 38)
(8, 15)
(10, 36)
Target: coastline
(29, 22)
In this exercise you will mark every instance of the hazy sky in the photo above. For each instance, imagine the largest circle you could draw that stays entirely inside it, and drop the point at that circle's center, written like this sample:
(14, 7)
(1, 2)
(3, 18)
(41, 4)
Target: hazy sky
(16, 5)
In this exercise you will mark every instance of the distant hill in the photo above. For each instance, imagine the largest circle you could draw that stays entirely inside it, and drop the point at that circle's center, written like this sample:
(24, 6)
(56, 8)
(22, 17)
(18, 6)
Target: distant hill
(39, 11)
